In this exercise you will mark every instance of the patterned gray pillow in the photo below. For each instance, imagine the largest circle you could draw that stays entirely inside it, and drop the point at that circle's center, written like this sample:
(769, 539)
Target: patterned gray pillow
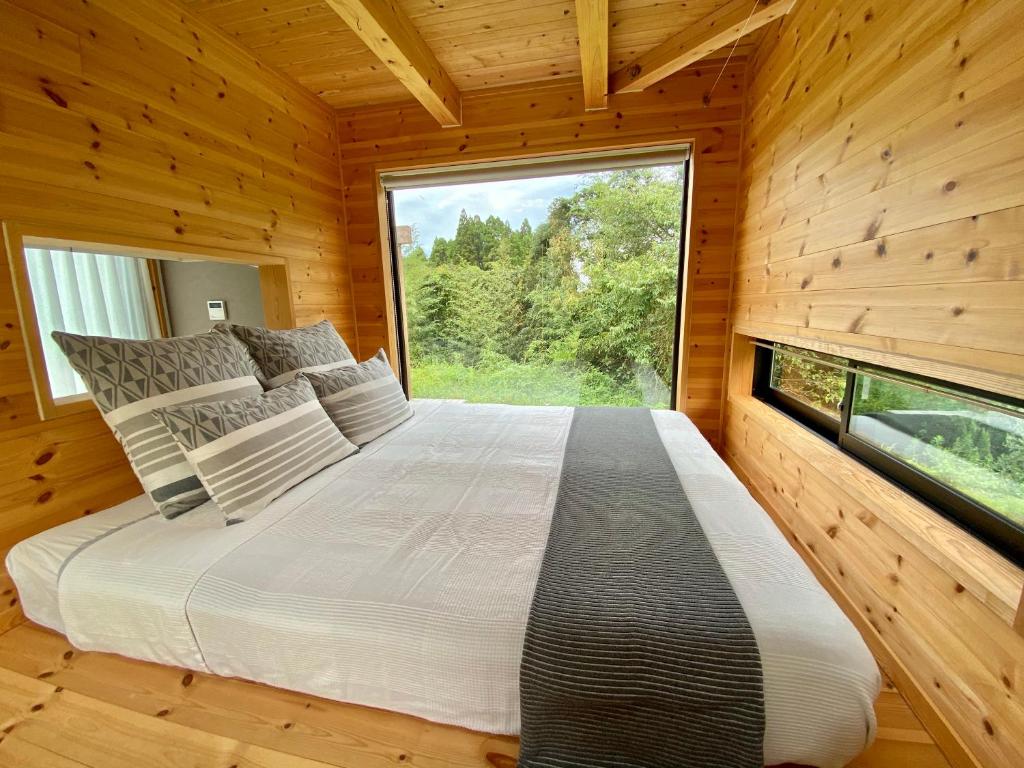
(364, 400)
(128, 379)
(281, 355)
(249, 451)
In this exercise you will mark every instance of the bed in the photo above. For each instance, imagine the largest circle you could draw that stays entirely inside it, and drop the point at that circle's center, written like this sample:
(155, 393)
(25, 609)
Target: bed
(402, 578)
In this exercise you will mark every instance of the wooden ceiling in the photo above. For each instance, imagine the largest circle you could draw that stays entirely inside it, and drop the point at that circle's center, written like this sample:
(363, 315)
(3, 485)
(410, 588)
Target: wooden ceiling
(478, 43)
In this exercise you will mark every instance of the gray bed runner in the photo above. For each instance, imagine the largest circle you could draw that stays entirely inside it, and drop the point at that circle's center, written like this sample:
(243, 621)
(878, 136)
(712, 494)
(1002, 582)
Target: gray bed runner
(638, 652)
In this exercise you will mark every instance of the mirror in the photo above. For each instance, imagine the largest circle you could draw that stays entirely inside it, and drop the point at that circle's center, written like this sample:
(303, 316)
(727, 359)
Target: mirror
(131, 293)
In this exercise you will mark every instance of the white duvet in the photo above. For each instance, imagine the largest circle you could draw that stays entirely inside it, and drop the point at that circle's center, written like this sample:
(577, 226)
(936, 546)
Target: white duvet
(401, 578)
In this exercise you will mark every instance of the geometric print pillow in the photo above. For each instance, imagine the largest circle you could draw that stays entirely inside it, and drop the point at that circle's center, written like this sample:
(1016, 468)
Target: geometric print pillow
(249, 451)
(364, 400)
(282, 355)
(128, 379)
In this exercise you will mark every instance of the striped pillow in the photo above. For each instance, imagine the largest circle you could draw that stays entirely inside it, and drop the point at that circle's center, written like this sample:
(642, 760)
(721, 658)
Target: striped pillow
(282, 355)
(129, 378)
(364, 400)
(249, 451)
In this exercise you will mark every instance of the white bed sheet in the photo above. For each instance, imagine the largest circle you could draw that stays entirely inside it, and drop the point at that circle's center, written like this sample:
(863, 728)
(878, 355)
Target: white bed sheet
(402, 577)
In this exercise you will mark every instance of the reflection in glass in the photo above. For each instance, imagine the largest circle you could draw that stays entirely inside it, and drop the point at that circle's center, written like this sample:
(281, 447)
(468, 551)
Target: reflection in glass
(98, 294)
(972, 449)
(812, 383)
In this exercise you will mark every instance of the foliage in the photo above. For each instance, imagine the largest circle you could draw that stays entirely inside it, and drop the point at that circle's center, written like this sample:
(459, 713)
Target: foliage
(579, 310)
(818, 385)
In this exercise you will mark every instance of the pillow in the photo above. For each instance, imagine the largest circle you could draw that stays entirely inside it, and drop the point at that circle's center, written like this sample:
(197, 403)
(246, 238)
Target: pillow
(129, 378)
(249, 451)
(281, 355)
(364, 400)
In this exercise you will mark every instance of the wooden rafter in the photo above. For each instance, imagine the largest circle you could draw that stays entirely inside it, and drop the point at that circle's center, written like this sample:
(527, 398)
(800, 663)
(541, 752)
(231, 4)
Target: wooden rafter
(713, 32)
(592, 28)
(387, 32)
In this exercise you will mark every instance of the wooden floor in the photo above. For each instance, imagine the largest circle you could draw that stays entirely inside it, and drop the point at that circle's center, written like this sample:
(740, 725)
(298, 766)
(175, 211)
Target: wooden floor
(61, 708)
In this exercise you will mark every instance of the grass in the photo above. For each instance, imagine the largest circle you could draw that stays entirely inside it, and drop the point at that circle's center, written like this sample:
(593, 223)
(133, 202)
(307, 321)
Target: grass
(522, 384)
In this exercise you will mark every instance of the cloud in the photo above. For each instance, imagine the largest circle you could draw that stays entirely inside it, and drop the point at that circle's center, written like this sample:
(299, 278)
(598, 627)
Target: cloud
(434, 212)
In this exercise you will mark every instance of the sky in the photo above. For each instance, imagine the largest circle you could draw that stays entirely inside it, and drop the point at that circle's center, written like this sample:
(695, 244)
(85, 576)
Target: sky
(434, 212)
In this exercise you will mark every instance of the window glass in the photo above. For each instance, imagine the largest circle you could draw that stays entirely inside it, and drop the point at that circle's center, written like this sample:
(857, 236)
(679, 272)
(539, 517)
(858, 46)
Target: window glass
(975, 450)
(91, 293)
(557, 290)
(806, 379)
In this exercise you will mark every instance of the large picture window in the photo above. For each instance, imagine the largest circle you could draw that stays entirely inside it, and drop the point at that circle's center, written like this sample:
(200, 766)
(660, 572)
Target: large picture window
(959, 449)
(553, 281)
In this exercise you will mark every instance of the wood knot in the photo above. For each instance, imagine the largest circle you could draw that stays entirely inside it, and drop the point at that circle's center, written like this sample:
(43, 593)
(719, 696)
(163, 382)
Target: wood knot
(988, 726)
(837, 263)
(498, 760)
(881, 249)
(163, 713)
(805, 282)
(957, 311)
(949, 186)
(186, 681)
(832, 531)
(972, 256)
(960, 588)
(36, 707)
(55, 97)
(68, 654)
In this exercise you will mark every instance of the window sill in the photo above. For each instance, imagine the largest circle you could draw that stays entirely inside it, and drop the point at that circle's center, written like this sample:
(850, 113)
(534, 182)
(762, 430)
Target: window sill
(992, 578)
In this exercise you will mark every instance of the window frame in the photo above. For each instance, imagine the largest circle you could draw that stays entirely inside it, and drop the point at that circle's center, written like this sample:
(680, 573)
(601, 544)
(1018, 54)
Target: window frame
(977, 519)
(275, 287)
(390, 180)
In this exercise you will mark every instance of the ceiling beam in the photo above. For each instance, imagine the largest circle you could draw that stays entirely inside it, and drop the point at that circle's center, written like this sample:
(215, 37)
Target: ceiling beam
(592, 29)
(387, 32)
(713, 32)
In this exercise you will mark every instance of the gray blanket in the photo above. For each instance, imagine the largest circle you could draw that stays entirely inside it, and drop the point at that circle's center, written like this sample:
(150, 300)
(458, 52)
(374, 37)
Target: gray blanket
(638, 652)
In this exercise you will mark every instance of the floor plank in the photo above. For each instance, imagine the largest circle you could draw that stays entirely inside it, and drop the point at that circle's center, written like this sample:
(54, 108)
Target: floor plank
(61, 707)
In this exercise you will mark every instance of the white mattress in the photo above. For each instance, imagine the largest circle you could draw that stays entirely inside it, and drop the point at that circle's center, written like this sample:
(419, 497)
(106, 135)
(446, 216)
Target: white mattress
(402, 577)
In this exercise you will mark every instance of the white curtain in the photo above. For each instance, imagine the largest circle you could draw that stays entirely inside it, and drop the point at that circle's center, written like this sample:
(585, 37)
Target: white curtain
(98, 294)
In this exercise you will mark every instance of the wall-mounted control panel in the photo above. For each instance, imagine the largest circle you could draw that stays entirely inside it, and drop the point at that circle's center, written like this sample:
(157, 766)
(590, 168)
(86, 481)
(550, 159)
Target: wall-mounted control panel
(218, 309)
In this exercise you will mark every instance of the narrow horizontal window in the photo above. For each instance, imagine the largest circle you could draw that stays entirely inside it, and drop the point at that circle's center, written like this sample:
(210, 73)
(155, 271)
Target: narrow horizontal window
(958, 449)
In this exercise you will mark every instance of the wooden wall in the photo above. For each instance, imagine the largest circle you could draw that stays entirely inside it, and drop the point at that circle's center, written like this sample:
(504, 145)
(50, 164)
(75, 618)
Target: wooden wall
(882, 215)
(549, 119)
(136, 119)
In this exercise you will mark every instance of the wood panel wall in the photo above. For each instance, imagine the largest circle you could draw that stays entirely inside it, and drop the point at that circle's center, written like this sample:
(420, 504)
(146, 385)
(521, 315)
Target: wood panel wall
(545, 119)
(882, 214)
(138, 120)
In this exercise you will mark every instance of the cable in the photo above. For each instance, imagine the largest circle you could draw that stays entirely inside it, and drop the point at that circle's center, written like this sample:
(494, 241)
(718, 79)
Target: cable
(743, 31)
